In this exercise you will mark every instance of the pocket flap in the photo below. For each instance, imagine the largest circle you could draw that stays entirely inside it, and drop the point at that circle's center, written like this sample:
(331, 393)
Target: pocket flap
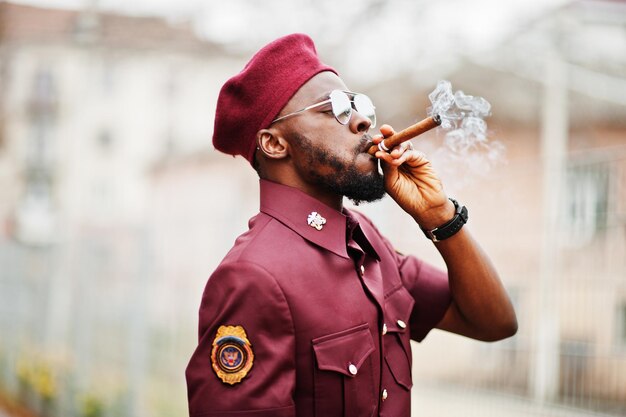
(398, 308)
(345, 351)
(401, 372)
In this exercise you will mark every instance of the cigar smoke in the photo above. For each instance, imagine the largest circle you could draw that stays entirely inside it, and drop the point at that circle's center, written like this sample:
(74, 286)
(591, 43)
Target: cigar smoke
(466, 147)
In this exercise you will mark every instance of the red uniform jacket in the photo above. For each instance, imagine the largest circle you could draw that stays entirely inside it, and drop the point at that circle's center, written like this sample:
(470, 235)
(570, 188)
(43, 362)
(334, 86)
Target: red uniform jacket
(328, 310)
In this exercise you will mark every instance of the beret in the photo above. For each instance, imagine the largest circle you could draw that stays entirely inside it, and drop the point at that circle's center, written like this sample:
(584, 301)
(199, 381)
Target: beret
(250, 100)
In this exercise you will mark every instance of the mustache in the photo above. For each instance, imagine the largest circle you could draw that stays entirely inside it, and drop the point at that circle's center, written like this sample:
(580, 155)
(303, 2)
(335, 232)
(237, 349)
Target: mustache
(365, 142)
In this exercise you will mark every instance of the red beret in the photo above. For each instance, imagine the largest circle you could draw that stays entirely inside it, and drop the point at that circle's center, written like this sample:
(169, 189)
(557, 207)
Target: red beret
(250, 100)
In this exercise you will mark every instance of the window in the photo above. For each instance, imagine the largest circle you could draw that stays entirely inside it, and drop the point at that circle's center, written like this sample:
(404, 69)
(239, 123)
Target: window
(104, 139)
(108, 76)
(2, 132)
(587, 196)
(621, 324)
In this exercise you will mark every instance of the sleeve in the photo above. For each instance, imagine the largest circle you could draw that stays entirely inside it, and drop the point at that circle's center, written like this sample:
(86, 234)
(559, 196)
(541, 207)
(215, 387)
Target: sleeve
(430, 290)
(246, 333)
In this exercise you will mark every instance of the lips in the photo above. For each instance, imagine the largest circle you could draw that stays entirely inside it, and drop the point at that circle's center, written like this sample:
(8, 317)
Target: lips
(365, 143)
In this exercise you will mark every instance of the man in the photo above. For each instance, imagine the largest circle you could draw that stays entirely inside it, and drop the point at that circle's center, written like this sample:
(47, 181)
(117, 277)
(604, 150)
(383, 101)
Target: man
(312, 311)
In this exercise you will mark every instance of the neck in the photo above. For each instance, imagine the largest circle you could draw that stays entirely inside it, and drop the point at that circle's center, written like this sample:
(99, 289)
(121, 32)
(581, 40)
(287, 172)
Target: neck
(283, 174)
(330, 199)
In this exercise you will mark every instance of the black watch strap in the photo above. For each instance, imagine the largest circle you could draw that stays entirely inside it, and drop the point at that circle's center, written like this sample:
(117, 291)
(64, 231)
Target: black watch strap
(449, 229)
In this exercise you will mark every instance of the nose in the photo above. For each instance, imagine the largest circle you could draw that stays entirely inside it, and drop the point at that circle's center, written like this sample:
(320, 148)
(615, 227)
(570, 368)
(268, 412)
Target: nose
(359, 123)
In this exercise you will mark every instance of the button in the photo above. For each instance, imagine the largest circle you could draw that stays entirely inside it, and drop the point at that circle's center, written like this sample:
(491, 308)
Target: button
(401, 324)
(362, 270)
(352, 369)
(384, 395)
(384, 329)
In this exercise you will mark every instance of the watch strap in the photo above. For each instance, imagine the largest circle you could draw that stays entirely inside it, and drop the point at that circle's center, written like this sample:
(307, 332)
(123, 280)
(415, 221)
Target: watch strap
(452, 227)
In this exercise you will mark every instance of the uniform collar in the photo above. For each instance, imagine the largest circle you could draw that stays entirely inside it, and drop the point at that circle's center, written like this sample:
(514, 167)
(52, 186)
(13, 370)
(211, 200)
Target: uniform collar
(292, 208)
(361, 235)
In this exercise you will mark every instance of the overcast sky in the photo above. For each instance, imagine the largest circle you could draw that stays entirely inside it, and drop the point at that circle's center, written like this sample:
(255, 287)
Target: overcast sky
(378, 36)
(232, 20)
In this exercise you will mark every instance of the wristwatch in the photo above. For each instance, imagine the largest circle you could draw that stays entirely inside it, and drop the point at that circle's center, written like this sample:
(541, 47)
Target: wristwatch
(449, 229)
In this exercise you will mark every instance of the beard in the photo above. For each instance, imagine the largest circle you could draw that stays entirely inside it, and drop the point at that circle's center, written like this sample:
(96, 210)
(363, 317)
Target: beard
(340, 176)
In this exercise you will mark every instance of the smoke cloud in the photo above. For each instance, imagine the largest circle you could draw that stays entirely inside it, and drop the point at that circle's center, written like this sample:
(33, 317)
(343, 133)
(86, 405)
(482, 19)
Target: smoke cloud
(467, 153)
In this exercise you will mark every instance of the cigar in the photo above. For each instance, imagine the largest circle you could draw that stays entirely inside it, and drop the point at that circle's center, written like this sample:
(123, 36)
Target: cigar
(409, 133)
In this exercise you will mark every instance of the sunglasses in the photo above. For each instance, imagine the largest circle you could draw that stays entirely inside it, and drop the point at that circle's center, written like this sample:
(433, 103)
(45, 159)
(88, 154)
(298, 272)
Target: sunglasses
(341, 104)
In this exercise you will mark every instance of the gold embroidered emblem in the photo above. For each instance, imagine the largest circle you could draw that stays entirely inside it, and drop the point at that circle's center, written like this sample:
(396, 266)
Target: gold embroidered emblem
(231, 356)
(316, 221)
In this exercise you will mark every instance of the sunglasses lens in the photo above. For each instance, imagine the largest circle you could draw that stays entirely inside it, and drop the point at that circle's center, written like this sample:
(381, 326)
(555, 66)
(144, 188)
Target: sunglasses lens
(364, 105)
(342, 107)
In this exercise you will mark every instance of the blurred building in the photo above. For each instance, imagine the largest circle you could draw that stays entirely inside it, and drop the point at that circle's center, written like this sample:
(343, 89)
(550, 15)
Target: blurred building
(89, 102)
(554, 216)
(112, 93)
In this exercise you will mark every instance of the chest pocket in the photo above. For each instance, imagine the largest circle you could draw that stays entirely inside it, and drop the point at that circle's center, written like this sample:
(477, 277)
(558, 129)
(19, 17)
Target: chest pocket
(344, 380)
(397, 341)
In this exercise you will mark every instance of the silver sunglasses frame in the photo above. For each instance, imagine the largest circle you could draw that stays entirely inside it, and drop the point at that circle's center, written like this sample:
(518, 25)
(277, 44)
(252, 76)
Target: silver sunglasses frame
(312, 106)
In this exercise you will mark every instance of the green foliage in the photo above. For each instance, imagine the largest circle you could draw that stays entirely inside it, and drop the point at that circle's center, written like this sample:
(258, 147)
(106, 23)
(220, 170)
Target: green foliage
(92, 406)
(39, 376)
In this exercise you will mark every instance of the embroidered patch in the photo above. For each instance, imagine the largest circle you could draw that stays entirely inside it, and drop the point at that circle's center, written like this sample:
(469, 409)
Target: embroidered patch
(316, 220)
(231, 356)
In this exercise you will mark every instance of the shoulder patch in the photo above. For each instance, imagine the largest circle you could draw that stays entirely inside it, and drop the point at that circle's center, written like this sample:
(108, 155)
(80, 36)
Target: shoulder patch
(231, 356)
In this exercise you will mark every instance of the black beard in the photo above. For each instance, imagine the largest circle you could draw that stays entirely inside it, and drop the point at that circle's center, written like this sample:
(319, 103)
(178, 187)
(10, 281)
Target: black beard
(343, 179)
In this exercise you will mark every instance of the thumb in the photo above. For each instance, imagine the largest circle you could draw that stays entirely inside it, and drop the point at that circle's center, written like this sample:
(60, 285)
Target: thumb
(387, 130)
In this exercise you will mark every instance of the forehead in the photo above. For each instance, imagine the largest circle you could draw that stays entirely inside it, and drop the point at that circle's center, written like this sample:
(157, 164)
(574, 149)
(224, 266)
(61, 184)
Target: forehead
(314, 90)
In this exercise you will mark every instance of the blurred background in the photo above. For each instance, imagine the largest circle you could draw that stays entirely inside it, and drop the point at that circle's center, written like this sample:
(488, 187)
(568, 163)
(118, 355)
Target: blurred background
(115, 209)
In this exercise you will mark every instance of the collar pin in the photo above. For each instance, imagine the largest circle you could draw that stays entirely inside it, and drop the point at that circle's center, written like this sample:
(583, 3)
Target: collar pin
(315, 220)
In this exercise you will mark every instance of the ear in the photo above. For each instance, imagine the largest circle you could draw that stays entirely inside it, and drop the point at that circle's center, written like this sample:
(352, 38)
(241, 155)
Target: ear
(272, 144)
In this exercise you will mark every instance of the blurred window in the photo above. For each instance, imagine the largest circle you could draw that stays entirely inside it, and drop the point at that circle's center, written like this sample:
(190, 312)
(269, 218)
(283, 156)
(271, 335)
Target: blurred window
(621, 324)
(619, 202)
(2, 132)
(43, 87)
(108, 77)
(105, 139)
(169, 142)
(587, 197)
(172, 83)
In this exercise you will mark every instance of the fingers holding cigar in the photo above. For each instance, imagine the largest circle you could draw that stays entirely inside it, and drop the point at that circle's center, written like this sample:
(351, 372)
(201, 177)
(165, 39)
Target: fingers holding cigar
(382, 146)
(385, 132)
(378, 141)
(389, 138)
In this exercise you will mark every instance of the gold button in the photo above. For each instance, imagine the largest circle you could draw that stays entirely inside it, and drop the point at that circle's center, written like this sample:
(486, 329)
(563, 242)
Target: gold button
(362, 270)
(384, 329)
(352, 369)
(401, 324)
(384, 395)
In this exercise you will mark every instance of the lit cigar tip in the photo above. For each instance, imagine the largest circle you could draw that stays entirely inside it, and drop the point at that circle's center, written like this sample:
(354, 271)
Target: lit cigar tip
(437, 118)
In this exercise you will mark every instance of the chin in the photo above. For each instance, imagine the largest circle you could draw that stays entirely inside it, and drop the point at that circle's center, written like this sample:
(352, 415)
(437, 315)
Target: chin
(367, 163)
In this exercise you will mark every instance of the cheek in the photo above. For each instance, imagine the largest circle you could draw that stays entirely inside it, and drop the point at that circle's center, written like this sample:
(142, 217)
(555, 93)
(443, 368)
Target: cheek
(323, 160)
(339, 148)
(325, 149)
